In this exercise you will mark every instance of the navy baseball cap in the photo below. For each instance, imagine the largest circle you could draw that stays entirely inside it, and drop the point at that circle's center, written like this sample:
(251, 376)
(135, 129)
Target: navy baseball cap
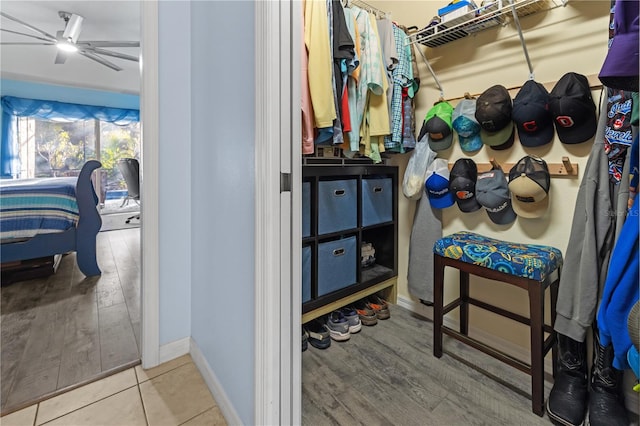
(465, 124)
(532, 116)
(573, 110)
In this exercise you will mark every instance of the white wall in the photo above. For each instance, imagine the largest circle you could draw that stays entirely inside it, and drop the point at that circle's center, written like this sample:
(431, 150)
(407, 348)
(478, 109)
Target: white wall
(174, 59)
(222, 187)
(571, 38)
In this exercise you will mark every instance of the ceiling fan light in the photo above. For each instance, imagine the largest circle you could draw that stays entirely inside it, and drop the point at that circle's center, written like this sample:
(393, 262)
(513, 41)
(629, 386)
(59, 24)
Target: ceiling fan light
(73, 28)
(66, 46)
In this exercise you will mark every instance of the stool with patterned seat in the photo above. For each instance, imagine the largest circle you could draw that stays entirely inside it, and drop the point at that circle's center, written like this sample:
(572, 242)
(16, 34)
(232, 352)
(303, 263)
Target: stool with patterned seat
(531, 267)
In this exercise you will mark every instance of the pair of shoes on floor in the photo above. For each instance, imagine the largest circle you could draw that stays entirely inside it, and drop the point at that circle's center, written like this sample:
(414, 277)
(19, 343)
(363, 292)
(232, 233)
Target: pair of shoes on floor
(318, 334)
(338, 326)
(380, 306)
(305, 339)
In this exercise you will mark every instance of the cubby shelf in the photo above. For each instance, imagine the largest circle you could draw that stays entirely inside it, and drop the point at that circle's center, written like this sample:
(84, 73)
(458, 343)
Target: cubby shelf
(344, 206)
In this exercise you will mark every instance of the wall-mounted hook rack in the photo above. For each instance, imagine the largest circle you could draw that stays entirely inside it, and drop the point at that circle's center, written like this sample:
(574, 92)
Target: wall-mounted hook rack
(564, 169)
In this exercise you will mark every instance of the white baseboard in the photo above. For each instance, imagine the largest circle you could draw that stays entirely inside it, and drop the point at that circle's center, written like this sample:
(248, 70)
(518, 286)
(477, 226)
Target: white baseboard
(496, 342)
(174, 349)
(227, 409)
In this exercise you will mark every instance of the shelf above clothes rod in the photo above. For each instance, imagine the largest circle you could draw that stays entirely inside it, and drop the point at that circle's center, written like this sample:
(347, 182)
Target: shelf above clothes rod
(480, 19)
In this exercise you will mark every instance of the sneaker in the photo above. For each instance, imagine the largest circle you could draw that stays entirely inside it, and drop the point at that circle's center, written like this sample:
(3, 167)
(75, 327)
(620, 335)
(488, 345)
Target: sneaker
(338, 326)
(365, 312)
(318, 334)
(355, 325)
(305, 339)
(380, 306)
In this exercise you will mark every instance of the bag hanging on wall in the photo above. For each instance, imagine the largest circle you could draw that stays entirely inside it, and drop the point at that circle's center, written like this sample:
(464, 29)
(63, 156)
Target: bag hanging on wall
(414, 176)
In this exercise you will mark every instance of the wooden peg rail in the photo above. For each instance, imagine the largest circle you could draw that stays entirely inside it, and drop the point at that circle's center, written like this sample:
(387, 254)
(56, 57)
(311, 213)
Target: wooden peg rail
(565, 168)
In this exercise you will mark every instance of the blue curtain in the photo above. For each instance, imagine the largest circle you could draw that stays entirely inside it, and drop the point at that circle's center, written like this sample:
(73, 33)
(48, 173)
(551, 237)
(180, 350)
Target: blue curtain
(13, 107)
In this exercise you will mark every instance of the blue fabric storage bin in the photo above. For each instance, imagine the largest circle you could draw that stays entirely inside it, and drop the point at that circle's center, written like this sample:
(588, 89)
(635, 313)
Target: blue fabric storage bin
(377, 201)
(306, 274)
(337, 205)
(306, 209)
(337, 263)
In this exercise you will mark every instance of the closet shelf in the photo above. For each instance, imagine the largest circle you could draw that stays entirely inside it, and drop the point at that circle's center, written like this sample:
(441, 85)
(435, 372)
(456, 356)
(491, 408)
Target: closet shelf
(480, 19)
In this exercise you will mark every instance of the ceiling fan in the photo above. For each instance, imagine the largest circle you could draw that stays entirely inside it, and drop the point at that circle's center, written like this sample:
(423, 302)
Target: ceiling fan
(67, 41)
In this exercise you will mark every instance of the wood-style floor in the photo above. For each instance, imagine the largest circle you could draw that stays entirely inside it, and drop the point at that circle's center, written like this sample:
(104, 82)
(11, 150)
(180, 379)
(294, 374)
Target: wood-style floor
(66, 329)
(387, 375)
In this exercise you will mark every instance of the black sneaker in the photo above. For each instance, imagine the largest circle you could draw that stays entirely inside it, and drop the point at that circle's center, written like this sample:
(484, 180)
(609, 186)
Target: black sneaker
(319, 336)
(305, 339)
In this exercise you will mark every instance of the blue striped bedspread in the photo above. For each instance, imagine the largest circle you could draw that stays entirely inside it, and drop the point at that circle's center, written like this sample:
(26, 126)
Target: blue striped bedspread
(37, 206)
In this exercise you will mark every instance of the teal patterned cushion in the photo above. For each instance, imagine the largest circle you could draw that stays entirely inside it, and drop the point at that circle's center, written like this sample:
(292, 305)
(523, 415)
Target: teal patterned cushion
(531, 261)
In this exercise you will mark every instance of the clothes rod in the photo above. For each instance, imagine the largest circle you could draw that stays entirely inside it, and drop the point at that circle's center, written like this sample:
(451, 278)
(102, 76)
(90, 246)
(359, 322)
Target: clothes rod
(364, 5)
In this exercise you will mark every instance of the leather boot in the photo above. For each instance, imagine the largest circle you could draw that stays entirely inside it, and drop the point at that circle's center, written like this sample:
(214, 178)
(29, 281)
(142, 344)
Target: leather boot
(606, 400)
(568, 398)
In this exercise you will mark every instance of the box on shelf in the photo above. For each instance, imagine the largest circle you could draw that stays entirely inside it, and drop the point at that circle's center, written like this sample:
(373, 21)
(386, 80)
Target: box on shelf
(456, 10)
(337, 265)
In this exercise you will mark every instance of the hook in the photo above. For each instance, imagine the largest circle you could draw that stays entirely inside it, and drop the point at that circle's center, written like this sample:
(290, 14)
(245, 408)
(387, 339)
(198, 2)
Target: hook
(495, 164)
(567, 164)
(467, 95)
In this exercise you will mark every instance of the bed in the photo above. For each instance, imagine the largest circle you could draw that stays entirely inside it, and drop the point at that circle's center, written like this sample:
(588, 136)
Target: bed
(45, 217)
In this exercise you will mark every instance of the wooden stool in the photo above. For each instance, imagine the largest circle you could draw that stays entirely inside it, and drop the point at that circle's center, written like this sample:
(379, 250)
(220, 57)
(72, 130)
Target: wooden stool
(530, 267)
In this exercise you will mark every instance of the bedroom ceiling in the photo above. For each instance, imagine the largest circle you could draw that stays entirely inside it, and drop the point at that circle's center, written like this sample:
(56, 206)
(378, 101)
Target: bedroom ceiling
(103, 20)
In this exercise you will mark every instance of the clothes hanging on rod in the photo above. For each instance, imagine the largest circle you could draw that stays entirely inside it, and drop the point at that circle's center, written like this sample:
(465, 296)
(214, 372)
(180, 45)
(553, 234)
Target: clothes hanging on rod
(364, 105)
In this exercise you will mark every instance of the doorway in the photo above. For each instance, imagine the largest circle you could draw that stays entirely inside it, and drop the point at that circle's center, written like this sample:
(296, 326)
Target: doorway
(67, 329)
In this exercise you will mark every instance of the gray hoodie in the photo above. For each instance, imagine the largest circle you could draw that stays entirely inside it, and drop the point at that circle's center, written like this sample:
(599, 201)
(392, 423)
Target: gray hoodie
(599, 213)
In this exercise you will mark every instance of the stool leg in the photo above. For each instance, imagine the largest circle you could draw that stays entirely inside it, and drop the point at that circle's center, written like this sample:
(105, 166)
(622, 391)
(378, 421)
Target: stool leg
(438, 290)
(464, 298)
(536, 313)
(554, 300)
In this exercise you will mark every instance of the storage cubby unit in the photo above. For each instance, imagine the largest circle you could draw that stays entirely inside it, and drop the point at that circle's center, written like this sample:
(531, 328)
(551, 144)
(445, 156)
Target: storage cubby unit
(346, 206)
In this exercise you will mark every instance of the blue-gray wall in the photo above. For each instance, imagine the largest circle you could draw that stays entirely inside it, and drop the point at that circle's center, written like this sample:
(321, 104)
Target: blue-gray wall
(174, 81)
(223, 194)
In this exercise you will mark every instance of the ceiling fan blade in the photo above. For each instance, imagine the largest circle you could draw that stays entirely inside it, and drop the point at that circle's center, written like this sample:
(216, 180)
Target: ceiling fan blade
(27, 35)
(61, 56)
(97, 43)
(97, 58)
(31, 27)
(112, 54)
(24, 43)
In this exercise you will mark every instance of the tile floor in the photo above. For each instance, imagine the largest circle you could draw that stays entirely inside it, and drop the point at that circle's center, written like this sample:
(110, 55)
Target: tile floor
(172, 393)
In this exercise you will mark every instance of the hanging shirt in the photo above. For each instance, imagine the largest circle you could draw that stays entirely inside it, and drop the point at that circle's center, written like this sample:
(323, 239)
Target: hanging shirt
(305, 103)
(353, 135)
(617, 134)
(402, 77)
(316, 39)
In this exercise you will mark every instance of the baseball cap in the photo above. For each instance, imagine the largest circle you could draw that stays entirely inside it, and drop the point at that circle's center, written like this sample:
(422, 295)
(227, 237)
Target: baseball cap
(529, 183)
(572, 109)
(437, 184)
(492, 192)
(462, 184)
(620, 68)
(437, 124)
(493, 112)
(465, 124)
(532, 116)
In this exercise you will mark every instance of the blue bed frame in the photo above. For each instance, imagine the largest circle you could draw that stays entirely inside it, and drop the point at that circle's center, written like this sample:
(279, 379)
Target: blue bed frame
(81, 239)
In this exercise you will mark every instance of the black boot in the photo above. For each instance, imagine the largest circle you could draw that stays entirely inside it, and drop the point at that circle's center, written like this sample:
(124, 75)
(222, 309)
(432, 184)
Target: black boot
(568, 398)
(606, 400)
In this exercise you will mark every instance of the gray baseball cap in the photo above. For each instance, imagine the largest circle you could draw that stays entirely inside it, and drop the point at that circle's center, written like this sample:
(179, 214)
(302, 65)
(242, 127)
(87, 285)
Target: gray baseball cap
(492, 192)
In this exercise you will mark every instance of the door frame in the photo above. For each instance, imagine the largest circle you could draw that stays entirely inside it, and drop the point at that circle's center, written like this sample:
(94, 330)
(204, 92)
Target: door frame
(278, 34)
(149, 188)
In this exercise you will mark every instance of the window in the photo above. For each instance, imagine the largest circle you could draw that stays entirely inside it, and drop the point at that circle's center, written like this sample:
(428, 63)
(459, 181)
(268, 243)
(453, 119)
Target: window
(50, 148)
